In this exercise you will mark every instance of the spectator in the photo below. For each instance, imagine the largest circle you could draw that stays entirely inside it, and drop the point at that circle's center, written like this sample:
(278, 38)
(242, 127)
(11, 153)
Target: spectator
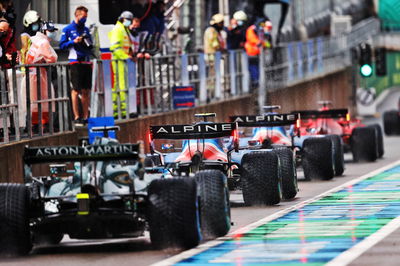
(154, 22)
(213, 42)
(121, 48)
(77, 39)
(135, 38)
(4, 27)
(41, 52)
(8, 42)
(256, 39)
(237, 31)
(31, 23)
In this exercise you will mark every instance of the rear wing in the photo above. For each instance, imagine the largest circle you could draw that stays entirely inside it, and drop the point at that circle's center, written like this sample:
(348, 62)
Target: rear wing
(272, 120)
(196, 131)
(332, 113)
(34, 155)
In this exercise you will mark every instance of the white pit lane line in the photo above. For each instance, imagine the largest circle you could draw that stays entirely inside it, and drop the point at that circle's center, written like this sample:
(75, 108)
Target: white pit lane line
(343, 259)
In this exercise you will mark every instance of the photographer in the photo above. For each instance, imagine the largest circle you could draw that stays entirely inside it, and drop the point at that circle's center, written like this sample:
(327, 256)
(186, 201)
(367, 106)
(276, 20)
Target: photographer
(77, 39)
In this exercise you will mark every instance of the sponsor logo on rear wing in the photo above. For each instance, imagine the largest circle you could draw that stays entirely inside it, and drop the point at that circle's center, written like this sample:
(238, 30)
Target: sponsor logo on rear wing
(332, 113)
(197, 131)
(79, 153)
(273, 120)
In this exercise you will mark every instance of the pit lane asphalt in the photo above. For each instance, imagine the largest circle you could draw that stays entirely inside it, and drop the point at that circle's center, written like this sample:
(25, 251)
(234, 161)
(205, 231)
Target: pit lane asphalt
(140, 252)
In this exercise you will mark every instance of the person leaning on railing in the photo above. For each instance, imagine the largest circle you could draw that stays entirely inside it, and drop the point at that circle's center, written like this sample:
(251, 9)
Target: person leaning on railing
(258, 36)
(31, 22)
(41, 52)
(77, 39)
(121, 48)
(213, 42)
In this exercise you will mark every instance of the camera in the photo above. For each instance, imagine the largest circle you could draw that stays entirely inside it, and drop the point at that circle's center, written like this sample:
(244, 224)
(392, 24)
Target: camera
(86, 41)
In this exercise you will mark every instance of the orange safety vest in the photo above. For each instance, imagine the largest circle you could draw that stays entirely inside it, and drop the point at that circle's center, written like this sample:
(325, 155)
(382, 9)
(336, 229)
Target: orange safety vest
(252, 41)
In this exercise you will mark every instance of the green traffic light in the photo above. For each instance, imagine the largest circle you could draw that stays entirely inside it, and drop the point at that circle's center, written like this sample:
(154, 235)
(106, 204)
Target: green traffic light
(366, 70)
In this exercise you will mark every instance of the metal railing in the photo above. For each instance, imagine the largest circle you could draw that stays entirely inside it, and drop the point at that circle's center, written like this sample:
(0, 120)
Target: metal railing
(150, 84)
(300, 61)
(34, 101)
(125, 89)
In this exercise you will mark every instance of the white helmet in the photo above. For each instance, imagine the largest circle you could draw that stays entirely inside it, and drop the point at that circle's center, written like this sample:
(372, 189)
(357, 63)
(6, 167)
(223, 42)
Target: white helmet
(30, 17)
(240, 15)
(217, 18)
(126, 15)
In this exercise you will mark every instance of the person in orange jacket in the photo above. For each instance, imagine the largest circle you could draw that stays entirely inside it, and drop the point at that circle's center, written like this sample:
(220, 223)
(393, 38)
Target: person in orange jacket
(258, 36)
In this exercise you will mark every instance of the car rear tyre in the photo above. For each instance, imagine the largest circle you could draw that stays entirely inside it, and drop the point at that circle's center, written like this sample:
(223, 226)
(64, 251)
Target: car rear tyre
(289, 174)
(338, 154)
(379, 139)
(173, 213)
(318, 158)
(391, 122)
(260, 177)
(14, 220)
(214, 208)
(364, 144)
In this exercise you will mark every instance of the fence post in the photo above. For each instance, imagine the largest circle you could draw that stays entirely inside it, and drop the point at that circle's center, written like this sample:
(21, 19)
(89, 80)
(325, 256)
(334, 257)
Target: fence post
(94, 97)
(218, 77)
(16, 97)
(299, 60)
(203, 79)
(184, 70)
(3, 101)
(320, 62)
(108, 103)
(132, 87)
(232, 71)
(310, 56)
(262, 94)
(290, 61)
(245, 72)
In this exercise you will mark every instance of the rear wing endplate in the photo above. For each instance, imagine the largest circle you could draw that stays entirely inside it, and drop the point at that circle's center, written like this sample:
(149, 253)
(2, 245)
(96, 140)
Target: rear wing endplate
(272, 120)
(196, 131)
(332, 113)
(33, 155)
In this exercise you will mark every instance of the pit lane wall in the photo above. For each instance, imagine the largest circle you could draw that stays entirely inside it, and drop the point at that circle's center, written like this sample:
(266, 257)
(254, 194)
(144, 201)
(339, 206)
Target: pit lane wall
(304, 95)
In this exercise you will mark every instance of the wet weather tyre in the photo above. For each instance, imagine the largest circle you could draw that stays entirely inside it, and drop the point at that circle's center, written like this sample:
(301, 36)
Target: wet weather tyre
(173, 213)
(288, 171)
(214, 204)
(391, 122)
(318, 159)
(364, 144)
(260, 177)
(15, 237)
(338, 154)
(379, 139)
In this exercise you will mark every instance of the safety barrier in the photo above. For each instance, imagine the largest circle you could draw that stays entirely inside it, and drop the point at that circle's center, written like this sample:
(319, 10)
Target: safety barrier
(34, 101)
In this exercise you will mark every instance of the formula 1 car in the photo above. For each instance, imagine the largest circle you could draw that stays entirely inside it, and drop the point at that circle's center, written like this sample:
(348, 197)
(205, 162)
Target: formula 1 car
(209, 146)
(91, 192)
(315, 154)
(266, 158)
(201, 156)
(365, 142)
(391, 121)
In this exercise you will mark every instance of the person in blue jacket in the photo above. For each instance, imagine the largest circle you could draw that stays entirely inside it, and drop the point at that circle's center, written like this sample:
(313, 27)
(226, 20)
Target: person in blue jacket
(77, 39)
